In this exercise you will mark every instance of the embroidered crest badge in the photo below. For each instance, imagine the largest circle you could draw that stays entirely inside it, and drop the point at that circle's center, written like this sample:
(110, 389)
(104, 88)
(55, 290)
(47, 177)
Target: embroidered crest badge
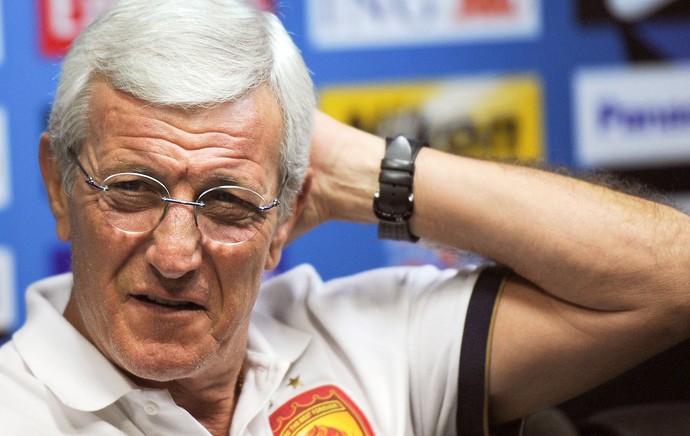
(322, 411)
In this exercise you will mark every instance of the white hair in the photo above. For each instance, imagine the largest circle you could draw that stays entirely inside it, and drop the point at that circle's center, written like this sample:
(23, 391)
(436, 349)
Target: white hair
(186, 53)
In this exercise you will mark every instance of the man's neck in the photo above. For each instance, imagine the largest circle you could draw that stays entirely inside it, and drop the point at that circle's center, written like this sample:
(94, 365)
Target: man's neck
(211, 403)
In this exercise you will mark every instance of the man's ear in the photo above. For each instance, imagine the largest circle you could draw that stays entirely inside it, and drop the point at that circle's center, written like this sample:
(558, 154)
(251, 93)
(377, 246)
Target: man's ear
(282, 234)
(52, 179)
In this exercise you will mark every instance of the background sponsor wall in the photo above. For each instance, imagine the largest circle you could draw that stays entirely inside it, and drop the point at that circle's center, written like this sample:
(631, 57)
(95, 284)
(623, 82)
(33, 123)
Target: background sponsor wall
(588, 83)
(331, 24)
(630, 117)
(7, 289)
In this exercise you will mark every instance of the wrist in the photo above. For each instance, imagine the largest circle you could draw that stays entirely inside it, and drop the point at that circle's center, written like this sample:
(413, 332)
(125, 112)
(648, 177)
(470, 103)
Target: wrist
(347, 172)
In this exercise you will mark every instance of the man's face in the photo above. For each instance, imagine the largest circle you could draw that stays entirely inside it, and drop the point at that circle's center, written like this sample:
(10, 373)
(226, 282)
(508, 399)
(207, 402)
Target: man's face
(132, 292)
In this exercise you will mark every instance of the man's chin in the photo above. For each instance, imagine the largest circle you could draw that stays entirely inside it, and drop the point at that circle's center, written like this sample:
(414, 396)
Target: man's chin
(161, 363)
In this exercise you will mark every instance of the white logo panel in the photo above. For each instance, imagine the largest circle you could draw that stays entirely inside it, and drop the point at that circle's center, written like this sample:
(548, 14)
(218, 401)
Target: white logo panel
(5, 191)
(632, 117)
(362, 23)
(7, 291)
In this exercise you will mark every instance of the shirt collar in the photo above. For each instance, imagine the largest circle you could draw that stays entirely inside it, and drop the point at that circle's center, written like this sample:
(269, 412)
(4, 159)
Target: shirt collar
(60, 356)
(67, 361)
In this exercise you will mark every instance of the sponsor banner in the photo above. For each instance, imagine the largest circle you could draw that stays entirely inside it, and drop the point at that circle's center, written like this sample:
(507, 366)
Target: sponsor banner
(497, 116)
(490, 117)
(266, 5)
(361, 23)
(60, 21)
(649, 30)
(630, 11)
(636, 10)
(632, 117)
(7, 291)
(5, 185)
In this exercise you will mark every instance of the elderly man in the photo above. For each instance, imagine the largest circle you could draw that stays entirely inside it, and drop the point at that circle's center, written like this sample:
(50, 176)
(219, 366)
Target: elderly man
(178, 166)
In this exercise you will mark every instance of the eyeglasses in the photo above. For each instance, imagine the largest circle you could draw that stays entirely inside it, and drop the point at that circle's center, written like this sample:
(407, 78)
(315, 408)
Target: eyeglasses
(137, 203)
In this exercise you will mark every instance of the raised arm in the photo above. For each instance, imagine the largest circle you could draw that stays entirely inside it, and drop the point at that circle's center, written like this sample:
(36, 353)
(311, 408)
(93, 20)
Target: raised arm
(601, 276)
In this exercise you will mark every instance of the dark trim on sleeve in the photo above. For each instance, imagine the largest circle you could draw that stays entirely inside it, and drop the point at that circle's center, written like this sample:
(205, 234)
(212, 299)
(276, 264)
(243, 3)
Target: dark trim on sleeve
(473, 414)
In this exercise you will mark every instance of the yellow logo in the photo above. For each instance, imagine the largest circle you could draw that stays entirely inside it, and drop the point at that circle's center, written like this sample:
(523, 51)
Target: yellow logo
(323, 411)
(489, 117)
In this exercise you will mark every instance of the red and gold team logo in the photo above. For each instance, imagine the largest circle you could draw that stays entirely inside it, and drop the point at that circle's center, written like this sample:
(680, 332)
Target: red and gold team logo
(323, 411)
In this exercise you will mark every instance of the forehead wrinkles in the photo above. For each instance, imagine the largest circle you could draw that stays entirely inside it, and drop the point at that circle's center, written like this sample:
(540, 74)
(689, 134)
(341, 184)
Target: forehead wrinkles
(253, 123)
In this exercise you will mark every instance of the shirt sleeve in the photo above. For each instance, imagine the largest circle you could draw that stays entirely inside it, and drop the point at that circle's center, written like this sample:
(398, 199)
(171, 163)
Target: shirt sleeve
(395, 338)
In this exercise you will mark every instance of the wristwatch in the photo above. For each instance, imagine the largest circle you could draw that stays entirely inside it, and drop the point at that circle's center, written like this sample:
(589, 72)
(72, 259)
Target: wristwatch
(394, 201)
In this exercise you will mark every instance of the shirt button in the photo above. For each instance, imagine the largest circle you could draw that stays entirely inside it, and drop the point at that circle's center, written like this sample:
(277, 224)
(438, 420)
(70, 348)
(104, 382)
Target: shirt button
(151, 408)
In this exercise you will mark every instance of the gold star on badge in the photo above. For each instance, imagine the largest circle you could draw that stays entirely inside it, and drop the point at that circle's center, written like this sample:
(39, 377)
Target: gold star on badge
(294, 382)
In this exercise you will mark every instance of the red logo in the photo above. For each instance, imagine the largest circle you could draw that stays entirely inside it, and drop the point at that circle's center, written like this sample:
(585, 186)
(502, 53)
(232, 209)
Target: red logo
(60, 21)
(266, 5)
(486, 7)
(323, 411)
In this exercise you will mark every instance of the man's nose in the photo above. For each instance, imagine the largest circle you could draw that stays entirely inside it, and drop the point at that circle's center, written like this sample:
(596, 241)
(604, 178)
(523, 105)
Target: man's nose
(176, 247)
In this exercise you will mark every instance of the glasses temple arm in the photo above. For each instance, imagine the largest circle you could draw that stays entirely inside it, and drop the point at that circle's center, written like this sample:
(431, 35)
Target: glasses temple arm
(276, 201)
(89, 180)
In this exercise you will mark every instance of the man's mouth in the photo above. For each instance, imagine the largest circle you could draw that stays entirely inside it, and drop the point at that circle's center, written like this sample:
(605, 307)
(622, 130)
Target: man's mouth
(164, 302)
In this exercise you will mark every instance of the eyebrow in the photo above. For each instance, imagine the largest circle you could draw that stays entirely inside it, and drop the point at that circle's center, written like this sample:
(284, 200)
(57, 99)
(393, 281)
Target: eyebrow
(228, 180)
(209, 180)
(120, 166)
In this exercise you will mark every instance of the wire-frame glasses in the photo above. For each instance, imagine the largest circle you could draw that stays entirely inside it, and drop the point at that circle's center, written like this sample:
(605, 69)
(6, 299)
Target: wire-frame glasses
(137, 203)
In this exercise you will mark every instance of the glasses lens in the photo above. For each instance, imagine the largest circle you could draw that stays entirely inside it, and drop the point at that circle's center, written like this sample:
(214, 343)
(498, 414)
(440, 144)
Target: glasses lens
(132, 202)
(230, 214)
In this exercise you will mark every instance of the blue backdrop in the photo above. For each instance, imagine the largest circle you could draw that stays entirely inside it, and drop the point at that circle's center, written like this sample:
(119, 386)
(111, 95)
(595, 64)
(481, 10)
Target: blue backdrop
(569, 37)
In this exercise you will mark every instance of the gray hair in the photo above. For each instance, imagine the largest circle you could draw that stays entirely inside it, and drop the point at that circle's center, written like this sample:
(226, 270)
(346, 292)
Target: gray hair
(189, 54)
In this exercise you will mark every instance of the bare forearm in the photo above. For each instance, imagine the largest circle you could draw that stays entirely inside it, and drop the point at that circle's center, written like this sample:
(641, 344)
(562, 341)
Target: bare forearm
(604, 274)
(579, 241)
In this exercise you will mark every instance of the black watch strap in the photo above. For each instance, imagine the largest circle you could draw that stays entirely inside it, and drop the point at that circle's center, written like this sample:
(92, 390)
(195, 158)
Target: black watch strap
(394, 201)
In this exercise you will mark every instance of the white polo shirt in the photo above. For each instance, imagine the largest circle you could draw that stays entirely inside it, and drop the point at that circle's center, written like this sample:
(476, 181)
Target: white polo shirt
(374, 353)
